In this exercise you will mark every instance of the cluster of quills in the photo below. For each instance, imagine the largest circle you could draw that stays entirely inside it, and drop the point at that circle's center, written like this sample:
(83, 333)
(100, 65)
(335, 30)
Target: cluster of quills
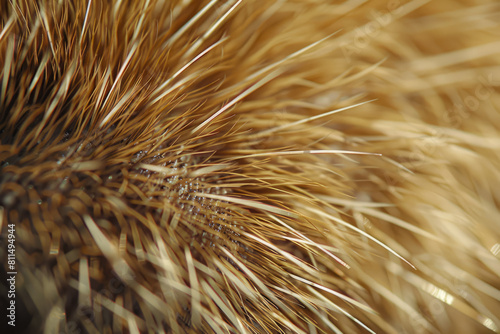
(250, 166)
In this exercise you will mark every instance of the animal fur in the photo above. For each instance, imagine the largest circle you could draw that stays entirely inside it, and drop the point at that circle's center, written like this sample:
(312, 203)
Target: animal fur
(277, 166)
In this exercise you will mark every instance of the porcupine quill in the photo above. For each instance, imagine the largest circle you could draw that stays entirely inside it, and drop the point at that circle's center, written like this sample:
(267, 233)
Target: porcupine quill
(298, 166)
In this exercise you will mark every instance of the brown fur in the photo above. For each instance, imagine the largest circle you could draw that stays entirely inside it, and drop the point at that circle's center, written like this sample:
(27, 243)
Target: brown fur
(173, 173)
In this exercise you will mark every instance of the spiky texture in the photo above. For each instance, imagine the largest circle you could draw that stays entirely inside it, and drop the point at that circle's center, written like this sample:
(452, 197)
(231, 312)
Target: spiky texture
(298, 166)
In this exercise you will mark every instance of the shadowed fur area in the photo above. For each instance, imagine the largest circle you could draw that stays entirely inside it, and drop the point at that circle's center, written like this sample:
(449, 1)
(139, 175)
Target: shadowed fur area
(251, 166)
